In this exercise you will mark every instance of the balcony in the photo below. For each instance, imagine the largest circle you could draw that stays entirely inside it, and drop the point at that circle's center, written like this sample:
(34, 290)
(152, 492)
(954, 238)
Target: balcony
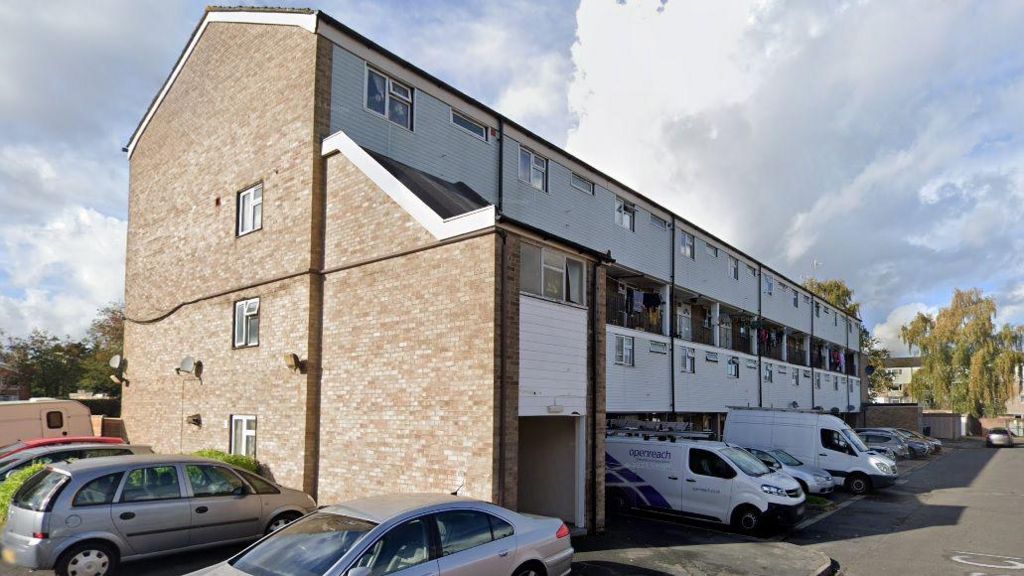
(795, 354)
(629, 311)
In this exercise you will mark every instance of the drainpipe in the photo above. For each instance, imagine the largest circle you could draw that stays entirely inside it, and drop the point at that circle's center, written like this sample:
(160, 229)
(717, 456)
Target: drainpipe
(501, 163)
(593, 398)
(503, 383)
(760, 323)
(810, 349)
(671, 318)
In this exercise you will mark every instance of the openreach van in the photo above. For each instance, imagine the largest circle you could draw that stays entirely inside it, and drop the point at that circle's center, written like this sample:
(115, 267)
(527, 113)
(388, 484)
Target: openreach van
(698, 478)
(813, 437)
(43, 418)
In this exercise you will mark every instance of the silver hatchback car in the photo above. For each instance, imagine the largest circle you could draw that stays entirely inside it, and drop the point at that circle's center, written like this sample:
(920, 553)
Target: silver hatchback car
(83, 518)
(408, 535)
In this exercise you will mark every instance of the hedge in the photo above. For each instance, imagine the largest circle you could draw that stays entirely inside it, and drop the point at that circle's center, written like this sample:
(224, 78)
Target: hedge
(243, 462)
(11, 485)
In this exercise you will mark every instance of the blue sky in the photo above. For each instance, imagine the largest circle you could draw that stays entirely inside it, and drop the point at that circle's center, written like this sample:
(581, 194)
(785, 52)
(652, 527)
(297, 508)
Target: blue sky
(882, 140)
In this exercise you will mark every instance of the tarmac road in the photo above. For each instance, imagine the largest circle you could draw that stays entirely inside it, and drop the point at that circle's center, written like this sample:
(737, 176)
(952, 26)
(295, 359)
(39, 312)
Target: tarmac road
(961, 514)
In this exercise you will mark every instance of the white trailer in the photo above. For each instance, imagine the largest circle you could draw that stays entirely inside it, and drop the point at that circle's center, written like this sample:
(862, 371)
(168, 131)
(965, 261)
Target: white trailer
(43, 418)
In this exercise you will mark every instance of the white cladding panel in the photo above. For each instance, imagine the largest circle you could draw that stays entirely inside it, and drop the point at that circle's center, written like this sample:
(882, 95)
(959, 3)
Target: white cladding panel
(854, 393)
(830, 324)
(783, 390)
(552, 357)
(712, 276)
(709, 388)
(646, 385)
(833, 392)
(778, 306)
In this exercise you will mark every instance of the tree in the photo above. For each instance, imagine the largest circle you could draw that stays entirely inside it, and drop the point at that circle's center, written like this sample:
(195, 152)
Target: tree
(966, 365)
(880, 380)
(105, 339)
(836, 292)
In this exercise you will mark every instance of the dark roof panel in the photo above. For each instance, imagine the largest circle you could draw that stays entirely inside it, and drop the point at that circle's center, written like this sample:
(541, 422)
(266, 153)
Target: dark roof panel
(447, 199)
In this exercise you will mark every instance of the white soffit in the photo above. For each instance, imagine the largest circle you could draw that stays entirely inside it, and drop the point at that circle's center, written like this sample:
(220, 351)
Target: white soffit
(440, 228)
(302, 20)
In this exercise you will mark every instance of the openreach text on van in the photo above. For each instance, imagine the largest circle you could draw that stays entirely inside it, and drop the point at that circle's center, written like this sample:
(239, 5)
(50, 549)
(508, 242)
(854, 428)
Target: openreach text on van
(656, 454)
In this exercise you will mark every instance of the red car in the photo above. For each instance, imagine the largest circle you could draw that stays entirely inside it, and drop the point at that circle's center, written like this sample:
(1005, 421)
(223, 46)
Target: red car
(26, 444)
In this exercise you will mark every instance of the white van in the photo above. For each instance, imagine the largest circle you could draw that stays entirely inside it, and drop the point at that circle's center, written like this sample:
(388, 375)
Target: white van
(698, 478)
(43, 418)
(815, 438)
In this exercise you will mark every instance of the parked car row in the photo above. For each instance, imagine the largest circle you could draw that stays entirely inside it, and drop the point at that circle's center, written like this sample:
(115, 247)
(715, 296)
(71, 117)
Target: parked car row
(999, 437)
(901, 442)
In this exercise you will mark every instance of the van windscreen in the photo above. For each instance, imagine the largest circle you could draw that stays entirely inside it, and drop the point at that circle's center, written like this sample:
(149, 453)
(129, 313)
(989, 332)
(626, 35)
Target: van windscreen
(746, 461)
(38, 491)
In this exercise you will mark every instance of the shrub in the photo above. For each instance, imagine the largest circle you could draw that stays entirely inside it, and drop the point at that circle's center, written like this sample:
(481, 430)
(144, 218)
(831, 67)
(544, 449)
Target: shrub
(243, 462)
(11, 485)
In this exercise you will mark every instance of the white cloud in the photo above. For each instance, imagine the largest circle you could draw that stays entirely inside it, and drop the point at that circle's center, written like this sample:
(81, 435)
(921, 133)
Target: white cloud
(879, 138)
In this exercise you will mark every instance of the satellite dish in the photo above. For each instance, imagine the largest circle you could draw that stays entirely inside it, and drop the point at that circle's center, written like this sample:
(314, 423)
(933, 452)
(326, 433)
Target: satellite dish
(794, 404)
(115, 362)
(292, 362)
(188, 364)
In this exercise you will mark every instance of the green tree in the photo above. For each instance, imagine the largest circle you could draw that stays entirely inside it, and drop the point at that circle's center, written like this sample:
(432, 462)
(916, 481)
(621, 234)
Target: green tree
(104, 340)
(880, 380)
(836, 292)
(967, 366)
(51, 366)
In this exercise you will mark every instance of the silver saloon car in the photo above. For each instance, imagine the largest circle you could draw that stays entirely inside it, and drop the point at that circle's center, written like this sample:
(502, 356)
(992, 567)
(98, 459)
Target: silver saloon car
(812, 479)
(408, 535)
(85, 517)
(999, 437)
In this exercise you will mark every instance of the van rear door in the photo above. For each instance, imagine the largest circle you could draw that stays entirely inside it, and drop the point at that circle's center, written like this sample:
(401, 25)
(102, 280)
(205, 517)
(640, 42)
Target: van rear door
(707, 490)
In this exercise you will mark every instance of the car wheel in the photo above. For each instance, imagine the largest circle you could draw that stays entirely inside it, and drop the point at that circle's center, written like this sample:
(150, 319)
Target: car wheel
(746, 519)
(803, 486)
(858, 483)
(281, 520)
(529, 570)
(88, 559)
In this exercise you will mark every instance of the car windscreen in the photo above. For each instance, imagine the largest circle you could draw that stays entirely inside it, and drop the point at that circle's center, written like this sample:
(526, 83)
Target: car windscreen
(854, 440)
(997, 431)
(37, 492)
(785, 457)
(306, 547)
(6, 463)
(745, 461)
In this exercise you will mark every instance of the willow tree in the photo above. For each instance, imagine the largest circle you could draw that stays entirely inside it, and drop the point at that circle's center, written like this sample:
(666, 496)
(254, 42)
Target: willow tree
(966, 365)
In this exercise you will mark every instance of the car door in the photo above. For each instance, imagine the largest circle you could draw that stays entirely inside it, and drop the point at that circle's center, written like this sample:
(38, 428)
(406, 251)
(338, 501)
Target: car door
(474, 542)
(708, 487)
(404, 550)
(221, 506)
(151, 513)
(835, 454)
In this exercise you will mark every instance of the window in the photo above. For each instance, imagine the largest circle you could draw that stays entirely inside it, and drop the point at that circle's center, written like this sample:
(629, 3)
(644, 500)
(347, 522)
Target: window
(464, 529)
(796, 377)
(833, 440)
(684, 322)
(705, 463)
(687, 245)
(243, 435)
(250, 210)
(307, 546)
(734, 268)
(817, 310)
(659, 347)
(549, 273)
(157, 483)
(796, 299)
(474, 128)
(711, 249)
(624, 350)
(54, 419)
(582, 184)
(39, 491)
(105, 452)
(688, 364)
(389, 98)
(835, 320)
(659, 222)
(625, 213)
(817, 380)
(835, 383)
(247, 323)
(212, 481)
(751, 270)
(733, 367)
(533, 169)
(402, 547)
(259, 485)
(769, 284)
(768, 372)
(98, 491)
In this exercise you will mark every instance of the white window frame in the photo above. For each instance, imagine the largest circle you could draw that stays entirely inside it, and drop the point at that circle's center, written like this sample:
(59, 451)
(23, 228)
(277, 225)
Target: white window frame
(580, 183)
(732, 367)
(625, 214)
(711, 249)
(658, 221)
(768, 373)
(468, 120)
(796, 378)
(242, 328)
(537, 163)
(624, 350)
(817, 380)
(734, 267)
(769, 284)
(687, 246)
(657, 347)
(689, 363)
(796, 299)
(249, 220)
(236, 445)
(546, 268)
(389, 93)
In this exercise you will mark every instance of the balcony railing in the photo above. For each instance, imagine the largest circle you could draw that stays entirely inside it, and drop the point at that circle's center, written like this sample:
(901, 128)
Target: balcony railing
(774, 352)
(622, 312)
(698, 334)
(733, 341)
(796, 355)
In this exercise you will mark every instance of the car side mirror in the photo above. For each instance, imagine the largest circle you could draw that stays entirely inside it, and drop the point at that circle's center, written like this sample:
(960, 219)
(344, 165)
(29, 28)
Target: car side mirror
(359, 571)
(241, 491)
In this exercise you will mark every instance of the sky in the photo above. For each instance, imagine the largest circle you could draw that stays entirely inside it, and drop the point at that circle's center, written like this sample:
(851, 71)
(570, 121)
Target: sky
(881, 142)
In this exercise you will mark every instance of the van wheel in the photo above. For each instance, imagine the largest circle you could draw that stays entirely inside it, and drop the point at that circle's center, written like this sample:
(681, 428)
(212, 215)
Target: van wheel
(858, 483)
(746, 519)
(280, 521)
(88, 559)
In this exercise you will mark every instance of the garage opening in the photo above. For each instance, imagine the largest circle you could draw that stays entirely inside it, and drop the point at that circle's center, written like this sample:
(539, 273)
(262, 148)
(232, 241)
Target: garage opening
(551, 473)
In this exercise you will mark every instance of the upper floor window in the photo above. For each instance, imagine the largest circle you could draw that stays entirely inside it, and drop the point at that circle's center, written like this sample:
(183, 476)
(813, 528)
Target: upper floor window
(687, 245)
(625, 213)
(796, 299)
(552, 274)
(659, 221)
(711, 249)
(472, 126)
(582, 184)
(389, 98)
(250, 209)
(769, 284)
(796, 377)
(734, 268)
(733, 367)
(533, 169)
(247, 323)
(817, 310)
(688, 364)
(623, 350)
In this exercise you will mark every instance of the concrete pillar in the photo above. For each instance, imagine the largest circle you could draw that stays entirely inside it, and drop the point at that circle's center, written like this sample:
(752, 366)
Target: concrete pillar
(753, 338)
(666, 311)
(807, 350)
(716, 309)
(785, 342)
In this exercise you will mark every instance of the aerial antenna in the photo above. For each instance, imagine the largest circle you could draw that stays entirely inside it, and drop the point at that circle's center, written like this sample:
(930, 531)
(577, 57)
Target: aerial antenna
(456, 491)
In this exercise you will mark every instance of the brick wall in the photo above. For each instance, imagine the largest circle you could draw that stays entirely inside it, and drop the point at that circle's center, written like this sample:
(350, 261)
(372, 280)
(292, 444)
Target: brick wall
(892, 416)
